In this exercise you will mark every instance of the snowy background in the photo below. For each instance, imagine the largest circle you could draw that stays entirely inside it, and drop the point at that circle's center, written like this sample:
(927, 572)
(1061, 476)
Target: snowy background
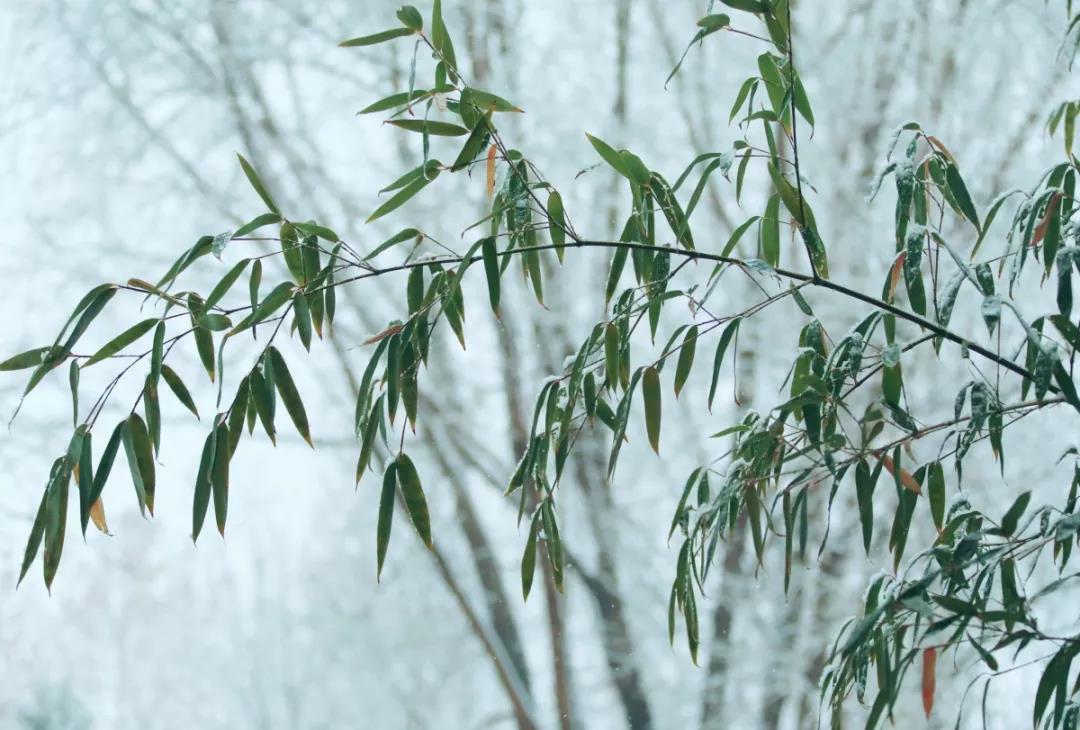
(118, 126)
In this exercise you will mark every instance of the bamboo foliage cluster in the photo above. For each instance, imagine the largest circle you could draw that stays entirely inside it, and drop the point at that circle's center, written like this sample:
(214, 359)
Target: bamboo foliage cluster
(845, 424)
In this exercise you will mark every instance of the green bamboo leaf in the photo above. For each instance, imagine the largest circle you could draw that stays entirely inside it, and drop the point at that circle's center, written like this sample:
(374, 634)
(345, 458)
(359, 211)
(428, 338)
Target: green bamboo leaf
(650, 391)
(292, 251)
(262, 392)
(122, 340)
(750, 6)
(395, 100)
(618, 262)
(802, 101)
(686, 359)
(486, 101)
(400, 237)
(56, 516)
(770, 232)
(533, 267)
(375, 38)
(434, 128)
(440, 39)
(225, 284)
(29, 359)
(709, 25)
(237, 411)
(474, 145)
(611, 354)
(277, 297)
(204, 343)
(140, 457)
(176, 385)
(201, 501)
(105, 464)
(265, 219)
(491, 270)
(556, 222)
(314, 229)
(1012, 517)
(214, 322)
(219, 475)
(367, 444)
(936, 493)
(556, 555)
(414, 289)
(397, 200)
(718, 359)
(864, 488)
(415, 504)
(256, 183)
(610, 156)
(33, 543)
(73, 384)
(673, 212)
(302, 318)
(85, 480)
(410, 17)
(528, 559)
(152, 408)
(961, 195)
(289, 394)
(386, 516)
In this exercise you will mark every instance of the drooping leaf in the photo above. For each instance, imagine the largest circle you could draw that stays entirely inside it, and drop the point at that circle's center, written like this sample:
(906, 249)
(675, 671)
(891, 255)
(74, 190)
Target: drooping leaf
(415, 503)
(201, 501)
(961, 195)
(491, 271)
(528, 559)
(650, 390)
(290, 396)
(929, 681)
(140, 458)
(386, 516)
(33, 543)
(686, 359)
(176, 385)
(718, 359)
(56, 495)
(219, 475)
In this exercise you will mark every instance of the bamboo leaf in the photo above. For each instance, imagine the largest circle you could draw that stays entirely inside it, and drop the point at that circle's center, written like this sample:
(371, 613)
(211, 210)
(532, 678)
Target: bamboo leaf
(375, 38)
(961, 195)
(225, 284)
(29, 359)
(122, 340)
(686, 359)
(201, 501)
(289, 394)
(718, 359)
(415, 503)
(33, 543)
(491, 270)
(528, 560)
(256, 183)
(219, 475)
(56, 516)
(650, 391)
(140, 458)
(386, 516)
(176, 385)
